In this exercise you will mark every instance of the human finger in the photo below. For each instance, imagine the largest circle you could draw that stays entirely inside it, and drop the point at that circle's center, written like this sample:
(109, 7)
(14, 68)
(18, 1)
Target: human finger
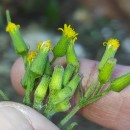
(17, 116)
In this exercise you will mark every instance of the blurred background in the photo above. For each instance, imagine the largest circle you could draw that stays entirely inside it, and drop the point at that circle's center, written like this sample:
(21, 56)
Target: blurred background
(95, 21)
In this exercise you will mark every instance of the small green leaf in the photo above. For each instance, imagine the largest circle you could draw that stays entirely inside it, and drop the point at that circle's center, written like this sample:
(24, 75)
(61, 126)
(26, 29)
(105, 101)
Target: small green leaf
(72, 125)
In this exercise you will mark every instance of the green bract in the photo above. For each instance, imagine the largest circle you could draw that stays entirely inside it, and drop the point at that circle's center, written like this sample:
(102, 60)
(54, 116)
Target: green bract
(40, 92)
(71, 57)
(120, 83)
(106, 72)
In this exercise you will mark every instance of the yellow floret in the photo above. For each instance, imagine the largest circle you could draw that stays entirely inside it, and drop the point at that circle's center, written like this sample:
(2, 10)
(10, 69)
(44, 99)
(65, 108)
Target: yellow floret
(31, 55)
(69, 32)
(11, 27)
(46, 44)
(39, 45)
(112, 42)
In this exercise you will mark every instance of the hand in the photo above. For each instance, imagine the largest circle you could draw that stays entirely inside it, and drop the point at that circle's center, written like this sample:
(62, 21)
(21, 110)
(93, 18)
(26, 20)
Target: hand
(111, 111)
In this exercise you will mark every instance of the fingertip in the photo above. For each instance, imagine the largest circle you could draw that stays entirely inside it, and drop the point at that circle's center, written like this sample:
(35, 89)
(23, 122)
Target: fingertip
(18, 116)
(17, 73)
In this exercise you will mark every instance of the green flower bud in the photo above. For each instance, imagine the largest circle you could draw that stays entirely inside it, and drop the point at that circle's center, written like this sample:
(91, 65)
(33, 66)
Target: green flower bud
(60, 49)
(29, 59)
(111, 49)
(106, 72)
(60, 107)
(39, 63)
(18, 42)
(74, 82)
(120, 83)
(60, 96)
(68, 74)
(71, 56)
(68, 91)
(63, 106)
(69, 35)
(40, 92)
(56, 80)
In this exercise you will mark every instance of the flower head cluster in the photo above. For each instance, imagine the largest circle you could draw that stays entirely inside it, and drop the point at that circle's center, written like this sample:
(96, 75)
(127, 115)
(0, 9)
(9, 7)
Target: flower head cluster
(11, 27)
(69, 32)
(61, 81)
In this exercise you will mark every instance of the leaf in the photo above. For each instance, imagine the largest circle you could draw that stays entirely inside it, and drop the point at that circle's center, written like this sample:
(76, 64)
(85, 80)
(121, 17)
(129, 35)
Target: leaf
(72, 125)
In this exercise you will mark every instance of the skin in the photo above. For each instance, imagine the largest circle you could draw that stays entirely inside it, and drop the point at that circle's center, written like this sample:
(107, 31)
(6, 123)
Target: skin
(112, 111)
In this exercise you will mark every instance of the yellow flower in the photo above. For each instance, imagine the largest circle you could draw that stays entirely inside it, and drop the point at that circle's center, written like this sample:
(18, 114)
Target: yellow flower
(69, 32)
(46, 44)
(11, 27)
(39, 45)
(112, 42)
(112, 46)
(30, 57)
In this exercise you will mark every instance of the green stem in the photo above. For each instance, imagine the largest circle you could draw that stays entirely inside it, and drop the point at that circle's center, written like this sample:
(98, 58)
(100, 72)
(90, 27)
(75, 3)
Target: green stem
(24, 61)
(98, 89)
(69, 116)
(49, 115)
(8, 16)
(95, 98)
(3, 95)
(48, 112)
(71, 126)
(54, 58)
(91, 89)
(82, 103)
(80, 93)
(29, 89)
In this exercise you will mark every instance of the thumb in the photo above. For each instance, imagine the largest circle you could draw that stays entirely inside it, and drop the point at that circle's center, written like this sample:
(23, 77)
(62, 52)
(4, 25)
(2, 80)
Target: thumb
(17, 116)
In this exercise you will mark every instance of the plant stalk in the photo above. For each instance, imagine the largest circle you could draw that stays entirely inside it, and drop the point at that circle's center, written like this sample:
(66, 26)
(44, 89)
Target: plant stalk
(82, 104)
(3, 95)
